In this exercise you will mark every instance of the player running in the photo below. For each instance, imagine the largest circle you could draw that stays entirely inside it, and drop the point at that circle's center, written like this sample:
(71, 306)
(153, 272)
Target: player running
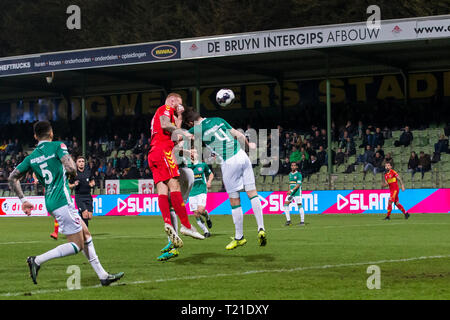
(391, 178)
(162, 162)
(198, 195)
(294, 194)
(236, 167)
(50, 161)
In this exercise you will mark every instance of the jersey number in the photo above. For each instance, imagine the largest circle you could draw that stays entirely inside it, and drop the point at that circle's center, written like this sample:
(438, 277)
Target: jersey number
(46, 173)
(222, 136)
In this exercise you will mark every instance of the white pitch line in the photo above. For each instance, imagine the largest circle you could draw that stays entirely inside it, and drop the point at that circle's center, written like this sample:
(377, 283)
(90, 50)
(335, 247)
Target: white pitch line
(197, 277)
(272, 229)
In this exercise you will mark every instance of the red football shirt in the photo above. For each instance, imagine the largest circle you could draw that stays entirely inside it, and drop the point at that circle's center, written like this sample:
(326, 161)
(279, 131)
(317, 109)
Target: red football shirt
(391, 178)
(160, 137)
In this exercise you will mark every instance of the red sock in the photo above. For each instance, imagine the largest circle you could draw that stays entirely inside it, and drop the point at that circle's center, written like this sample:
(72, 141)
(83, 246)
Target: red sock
(163, 201)
(56, 227)
(389, 209)
(401, 208)
(180, 208)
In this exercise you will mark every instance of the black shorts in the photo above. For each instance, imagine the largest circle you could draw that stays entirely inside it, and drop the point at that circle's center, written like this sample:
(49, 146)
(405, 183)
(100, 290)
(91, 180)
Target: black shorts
(84, 202)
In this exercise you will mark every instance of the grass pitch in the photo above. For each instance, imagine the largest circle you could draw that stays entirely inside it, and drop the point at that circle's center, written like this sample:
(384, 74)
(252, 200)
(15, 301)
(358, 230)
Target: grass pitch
(326, 259)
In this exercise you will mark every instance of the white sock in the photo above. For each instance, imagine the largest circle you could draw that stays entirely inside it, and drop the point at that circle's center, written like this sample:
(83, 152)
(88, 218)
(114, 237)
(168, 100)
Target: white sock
(238, 219)
(91, 255)
(174, 219)
(64, 250)
(257, 212)
(302, 214)
(286, 212)
(202, 225)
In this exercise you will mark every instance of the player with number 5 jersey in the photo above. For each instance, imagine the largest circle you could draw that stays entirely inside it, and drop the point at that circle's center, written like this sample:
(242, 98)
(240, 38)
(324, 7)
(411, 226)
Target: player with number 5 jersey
(51, 163)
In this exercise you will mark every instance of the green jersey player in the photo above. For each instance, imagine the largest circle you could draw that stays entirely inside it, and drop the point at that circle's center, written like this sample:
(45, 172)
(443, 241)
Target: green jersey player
(294, 194)
(237, 171)
(198, 194)
(51, 163)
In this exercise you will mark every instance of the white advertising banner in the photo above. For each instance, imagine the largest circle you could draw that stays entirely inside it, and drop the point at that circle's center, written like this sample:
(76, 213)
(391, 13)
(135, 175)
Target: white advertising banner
(112, 186)
(146, 186)
(12, 207)
(317, 37)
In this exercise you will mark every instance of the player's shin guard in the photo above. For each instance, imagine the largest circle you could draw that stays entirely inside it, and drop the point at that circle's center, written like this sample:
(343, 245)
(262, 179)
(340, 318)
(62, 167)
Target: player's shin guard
(164, 206)
(401, 208)
(174, 219)
(302, 213)
(63, 250)
(389, 209)
(286, 212)
(91, 255)
(238, 219)
(180, 208)
(257, 211)
(202, 225)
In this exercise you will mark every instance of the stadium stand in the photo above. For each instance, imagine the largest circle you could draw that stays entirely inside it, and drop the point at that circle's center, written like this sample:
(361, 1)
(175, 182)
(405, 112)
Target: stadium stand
(114, 159)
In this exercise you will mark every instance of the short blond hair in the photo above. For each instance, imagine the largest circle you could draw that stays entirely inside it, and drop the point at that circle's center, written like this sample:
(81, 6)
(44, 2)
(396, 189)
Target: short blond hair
(175, 95)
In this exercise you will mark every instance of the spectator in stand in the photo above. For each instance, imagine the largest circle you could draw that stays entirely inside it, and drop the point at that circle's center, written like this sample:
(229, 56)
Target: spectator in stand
(17, 147)
(122, 146)
(321, 156)
(360, 130)
(405, 138)
(349, 147)
(97, 179)
(304, 166)
(350, 129)
(367, 159)
(387, 133)
(316, 140)
(343, 139)
(378, 138)
(367, 139)
(413, 163)
(113, 176)
(286, 146)
(310, 150)
(147, 174)
(76, 150)
(285, 166)
(130, 143)
(340, 157)
(124, 162)
(424, 163)
(378, 166)
(295, 156)
(303, 151)
(133, 173)
(389, 158)
(447, 130)
(314, 166)
(380, 150)
(442, 145)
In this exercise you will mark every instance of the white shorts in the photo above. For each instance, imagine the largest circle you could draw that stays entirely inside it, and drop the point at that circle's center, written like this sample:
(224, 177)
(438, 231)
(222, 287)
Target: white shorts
(197, 201)
(296, 199)
(237, 172)
(68, 219)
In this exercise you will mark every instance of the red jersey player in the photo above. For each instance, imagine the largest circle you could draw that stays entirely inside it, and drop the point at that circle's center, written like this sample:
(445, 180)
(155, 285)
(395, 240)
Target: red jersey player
(164, 167)
(391, 178)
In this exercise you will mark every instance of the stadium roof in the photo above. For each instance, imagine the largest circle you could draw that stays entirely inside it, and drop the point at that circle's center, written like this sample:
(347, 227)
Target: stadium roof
(404, 45)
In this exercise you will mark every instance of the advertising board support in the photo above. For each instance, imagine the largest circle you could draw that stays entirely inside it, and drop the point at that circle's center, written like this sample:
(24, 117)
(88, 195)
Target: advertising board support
(83, 115)
(330, 160)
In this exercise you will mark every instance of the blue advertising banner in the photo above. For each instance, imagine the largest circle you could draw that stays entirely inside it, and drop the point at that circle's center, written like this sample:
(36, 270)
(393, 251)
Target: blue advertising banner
(92, 58)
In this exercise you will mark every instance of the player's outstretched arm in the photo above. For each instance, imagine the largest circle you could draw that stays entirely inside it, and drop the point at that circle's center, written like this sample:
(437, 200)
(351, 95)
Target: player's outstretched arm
(210, 179)
(241, 138)
(69, 165)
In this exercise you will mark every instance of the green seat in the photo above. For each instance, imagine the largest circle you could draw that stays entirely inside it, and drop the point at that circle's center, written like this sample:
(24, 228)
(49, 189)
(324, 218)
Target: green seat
(260, 179)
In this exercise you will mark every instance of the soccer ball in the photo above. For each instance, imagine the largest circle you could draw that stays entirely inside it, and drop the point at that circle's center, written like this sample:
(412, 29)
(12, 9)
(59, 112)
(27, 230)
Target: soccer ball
(225, 97)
